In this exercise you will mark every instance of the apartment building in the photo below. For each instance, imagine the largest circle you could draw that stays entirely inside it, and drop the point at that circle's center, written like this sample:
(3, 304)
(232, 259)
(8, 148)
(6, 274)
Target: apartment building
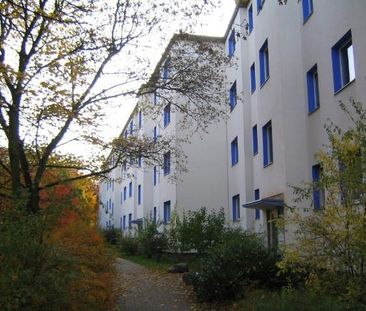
(293, 64)
(178, 183)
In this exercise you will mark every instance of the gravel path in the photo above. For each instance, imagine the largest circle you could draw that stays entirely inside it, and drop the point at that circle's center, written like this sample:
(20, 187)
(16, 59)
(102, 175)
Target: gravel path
(146, 290)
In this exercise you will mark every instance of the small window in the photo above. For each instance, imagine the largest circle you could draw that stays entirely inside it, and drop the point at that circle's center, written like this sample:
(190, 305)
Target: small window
(318, 193)
(155, 134)
(140, 119)
(259, 5)
(130, 189)
(256, 198)
(236, 207)
(264, 63)
(252, 78)
(131, 127)
(313, 89)
(129, 221)
(166, 212)
(307, 9)
(166, 115)
(233, 99)
(166, 72)
(140, 161)
(139, 194)
(267, 144)
(155, 175)
(343, 62)
(250, 19)
(255, 139)
(231, 43)
(124, 222)
(234, 151)
(154, 215)
(124, 193)
(167, 163)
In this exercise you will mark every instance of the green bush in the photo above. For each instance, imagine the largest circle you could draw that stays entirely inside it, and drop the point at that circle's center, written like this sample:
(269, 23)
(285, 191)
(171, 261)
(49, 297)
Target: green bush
(128, 245)
(111, 235)
(153, 243)
(227, 270)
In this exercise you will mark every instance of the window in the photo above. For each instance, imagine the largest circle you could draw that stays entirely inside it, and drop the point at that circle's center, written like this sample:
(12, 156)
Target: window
(154, 215)
(166, 70)
(252, 78)
(129, 221)
(140, 161)
(155, 175)
(313, 89)
(259, 5)
(250, 19)
(343, 62)
(166, 115)
(155, 98)
(139, 194)
(256, 198)
(131, 127)
(167, 163)
(121, 197)
(124, 193)
(264, 63)
(155, 134)
(267, 144)
(255, 139)
(126, 134)
(307, 9)
(112, 208)
(231, 43)
(166, 212)
(234, 151)
(130, 189)
(318, 193)
(233, 96)
(236, 207)
(140, 119)
(124, 222)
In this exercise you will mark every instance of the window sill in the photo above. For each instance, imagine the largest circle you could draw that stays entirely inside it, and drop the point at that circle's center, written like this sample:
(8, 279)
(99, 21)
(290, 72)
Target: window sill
(314, 110)
(268, 164)
(344, 86)
(264, 82)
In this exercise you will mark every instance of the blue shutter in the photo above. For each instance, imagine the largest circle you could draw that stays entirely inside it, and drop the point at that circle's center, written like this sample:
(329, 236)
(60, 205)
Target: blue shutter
(154, 175)
(155, 134)
(307, 9)
(154, 215)
(140, 119)
(250, 18)
(255, 140)
(252, 78)
(265, 146)
(311, 97)
(139, 194)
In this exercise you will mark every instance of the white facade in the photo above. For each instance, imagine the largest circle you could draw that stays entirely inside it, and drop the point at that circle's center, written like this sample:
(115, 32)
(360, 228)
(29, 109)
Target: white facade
(299, 53)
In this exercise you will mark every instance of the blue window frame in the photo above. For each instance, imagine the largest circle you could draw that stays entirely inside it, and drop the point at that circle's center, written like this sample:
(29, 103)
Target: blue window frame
(140, 119)
(255, 139)
(267, 144)
(130, 189)
(250, 19)
(256, 198)
(166, 72)
(155, 175)
(139, 194)
(124, 193)
(252, 78)
(167, 163)
(233, 99)
(259, 5)
(154, 215)
(236, 207)
(343, 62)
(131, 127)
(307, 9)
(264, 63)
(231, 43)
(166, 115)
(129, 221)
(124, 222)
(234, 151)
(318, 195)
(313, 88)
(155, 134)
(166, 212)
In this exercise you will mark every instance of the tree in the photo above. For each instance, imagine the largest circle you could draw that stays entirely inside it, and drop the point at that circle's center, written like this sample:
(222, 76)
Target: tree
(53, 54)
(331, 241)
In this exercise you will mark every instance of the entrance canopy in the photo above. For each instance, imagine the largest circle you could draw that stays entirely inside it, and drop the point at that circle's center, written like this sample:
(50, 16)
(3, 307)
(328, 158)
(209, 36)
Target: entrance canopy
(266, 203)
